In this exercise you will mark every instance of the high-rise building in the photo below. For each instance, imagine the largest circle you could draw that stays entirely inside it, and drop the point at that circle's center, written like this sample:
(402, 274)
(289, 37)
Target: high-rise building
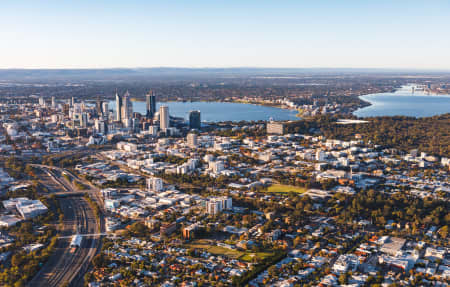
(118, 107)
(53, 103)
(73, 101)
(155, 184)
(84, 120)
(66, 109)
(150, 104)
(101, 126)
(215, 205)
(153, 130)
(77, 108)
(105, 110)
(98, 106)
(194, 120)
(42, 101)
(153, 104)
(127, 122)
(164, 119)
(145, 125)
(192, 141)
(135, 124)
(127, 108)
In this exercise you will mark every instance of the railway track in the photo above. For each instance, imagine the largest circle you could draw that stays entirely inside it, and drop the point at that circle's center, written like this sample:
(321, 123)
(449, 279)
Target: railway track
(64, 267)
(62, 274)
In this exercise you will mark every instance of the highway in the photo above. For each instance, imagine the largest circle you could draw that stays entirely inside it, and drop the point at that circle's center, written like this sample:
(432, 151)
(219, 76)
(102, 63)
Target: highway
(56, 173)
(67, 265)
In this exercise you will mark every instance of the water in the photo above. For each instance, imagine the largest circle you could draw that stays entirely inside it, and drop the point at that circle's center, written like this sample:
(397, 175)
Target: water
(219, 111)
(405, 103)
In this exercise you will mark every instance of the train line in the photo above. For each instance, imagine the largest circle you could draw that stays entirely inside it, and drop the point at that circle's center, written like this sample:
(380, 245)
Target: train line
(68, 265)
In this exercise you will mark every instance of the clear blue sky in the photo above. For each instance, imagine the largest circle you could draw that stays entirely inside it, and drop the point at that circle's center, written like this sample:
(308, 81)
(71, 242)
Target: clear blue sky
(197, 33)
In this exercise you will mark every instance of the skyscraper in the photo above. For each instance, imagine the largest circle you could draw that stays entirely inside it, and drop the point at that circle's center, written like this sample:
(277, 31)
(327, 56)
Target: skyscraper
(135, 125)
(147, 104)
(84, 119)
(164, 119)
(42, 101)
(194, 120)
(105, 110)
(98, 106)
(101, 126)
(118, 107)
(127, 108)
(53, 103)
(151, 104)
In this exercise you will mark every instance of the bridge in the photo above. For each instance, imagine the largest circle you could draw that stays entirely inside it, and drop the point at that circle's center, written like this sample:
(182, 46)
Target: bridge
(84, 235)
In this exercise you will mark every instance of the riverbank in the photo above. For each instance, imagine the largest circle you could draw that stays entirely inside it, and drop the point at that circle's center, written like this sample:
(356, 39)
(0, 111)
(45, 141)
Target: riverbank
(273, 105)
(404, 102)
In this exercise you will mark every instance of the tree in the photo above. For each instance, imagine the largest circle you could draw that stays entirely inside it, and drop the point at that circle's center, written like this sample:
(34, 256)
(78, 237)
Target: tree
(343, 279)
(443, 232)
(99, 260)
(138, 229)
(272, 270)
(297, 241)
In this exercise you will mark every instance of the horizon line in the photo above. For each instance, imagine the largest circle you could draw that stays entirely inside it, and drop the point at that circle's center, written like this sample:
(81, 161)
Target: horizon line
(231, 67)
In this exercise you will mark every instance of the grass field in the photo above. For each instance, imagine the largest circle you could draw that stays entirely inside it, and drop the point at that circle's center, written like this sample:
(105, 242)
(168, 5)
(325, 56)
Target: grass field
(260, 255)
(218, 250)
(232, 253)
(214, 249)
(281, 188)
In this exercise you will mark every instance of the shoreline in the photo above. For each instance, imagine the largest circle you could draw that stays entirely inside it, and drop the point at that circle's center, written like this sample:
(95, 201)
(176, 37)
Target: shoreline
(233, 102)
(405, 91)
(364, 103)
(299, 114)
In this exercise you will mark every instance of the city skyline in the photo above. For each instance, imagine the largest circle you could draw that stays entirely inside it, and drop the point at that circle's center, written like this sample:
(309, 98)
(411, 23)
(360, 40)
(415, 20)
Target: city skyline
(224, 143)
(348, 34)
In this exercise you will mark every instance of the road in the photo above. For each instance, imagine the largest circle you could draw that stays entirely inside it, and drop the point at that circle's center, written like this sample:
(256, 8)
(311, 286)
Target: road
(56, 173)
(64, 266)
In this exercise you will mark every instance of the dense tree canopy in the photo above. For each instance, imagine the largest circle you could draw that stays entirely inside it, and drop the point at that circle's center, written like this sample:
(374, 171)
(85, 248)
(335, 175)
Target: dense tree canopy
(429, 135)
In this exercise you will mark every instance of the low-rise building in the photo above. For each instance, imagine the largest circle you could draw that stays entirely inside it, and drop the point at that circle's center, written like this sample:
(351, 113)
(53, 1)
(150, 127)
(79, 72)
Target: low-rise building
(275, 128)
(167, 229)
(26, 207)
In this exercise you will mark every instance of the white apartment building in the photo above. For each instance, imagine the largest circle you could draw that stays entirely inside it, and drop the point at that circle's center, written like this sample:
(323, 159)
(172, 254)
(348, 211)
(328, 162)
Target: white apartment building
(192, 140)
(215, 205)
(155, 184)
(216, 166)
(164, 119)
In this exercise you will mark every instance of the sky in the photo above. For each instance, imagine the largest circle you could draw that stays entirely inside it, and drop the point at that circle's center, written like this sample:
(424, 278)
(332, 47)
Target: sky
(230, 33)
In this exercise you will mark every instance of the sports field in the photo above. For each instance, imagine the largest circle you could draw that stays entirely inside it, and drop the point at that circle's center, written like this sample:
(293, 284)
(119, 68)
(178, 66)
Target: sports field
(232, 253)
(260, 255)
(214, 249)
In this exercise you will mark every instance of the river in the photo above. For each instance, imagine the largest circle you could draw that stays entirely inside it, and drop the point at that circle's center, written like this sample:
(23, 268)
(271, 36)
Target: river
(220, 111)
(404, 102)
